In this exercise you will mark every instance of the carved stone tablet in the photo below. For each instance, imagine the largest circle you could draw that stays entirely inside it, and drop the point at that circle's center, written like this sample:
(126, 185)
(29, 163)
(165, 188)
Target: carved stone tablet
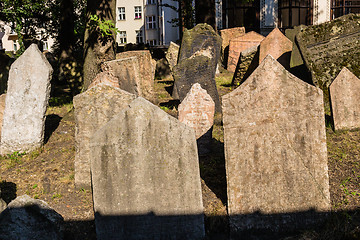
(275, 151)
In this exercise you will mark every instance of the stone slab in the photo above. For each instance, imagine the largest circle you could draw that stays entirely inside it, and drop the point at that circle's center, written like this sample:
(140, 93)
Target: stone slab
(275, 152)
(106, 78)
(345, 100)
(328, 47)
(2, 108)
(93, 109)
(172, 54)
(145, 176)
(248, 62)
(227, 35)
(278, 46)
(296, 58)
(26, 102)
(240, 44)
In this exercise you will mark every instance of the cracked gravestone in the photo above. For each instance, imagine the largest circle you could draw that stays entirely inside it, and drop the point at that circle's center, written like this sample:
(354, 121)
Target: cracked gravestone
(93, 109)
(26, 102)
(145, 176)
(345, 100)
(275, 152)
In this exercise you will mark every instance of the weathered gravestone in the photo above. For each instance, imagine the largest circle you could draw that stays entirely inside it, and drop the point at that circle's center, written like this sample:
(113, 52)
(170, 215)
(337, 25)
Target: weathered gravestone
(146, 67)
(345, 100)
(227, 35)
(248, 62)
(278, 46)
(2, 108)
(93, 109)
(172, 54)
(106, 78)
(145, 176)
(275, 152)
(240, 44)
(295, 59)
(197, 111)
(328, 47)
(26, 102)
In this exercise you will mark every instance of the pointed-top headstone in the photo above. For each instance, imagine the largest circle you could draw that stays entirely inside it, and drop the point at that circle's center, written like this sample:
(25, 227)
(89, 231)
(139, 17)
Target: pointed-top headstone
(345, 99)
(145, 176)
(26, 102)
(275, 151)
(278, 46)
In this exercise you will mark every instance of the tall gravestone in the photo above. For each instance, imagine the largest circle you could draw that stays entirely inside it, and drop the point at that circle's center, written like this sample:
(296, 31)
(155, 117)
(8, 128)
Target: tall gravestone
(328, 47)
(275, 152)
(237, 45)
(197, 111)
(145, 176)
(345, 100)
(93, 109)
(26, 102)
(172, 54)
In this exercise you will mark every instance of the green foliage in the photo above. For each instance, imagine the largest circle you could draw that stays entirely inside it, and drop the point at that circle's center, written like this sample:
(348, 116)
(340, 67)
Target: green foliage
(105, 27)
(14, 159)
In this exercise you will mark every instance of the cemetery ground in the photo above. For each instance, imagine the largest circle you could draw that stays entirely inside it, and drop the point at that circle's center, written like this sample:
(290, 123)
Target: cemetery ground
(48, 173)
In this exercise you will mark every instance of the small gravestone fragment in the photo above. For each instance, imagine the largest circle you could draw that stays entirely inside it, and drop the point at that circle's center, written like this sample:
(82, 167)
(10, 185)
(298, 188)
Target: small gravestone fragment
(27, 218)
(26, 102)
(93, 109)
(172, 54)
(197, 111)
(275, 152)
(240, 44)
(278, 46)
(248, 61)
(345, 100)
(145, 176)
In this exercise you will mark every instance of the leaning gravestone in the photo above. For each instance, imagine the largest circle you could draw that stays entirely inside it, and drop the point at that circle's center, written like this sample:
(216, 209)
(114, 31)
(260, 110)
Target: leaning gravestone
(197, 111)
(240, 44)
(248, 62)
(328, 47)
(26, 102)
(345, 100)
(93, 109)
(275, 152)
(145, 176)
(278, 46)
(295, 59)
(227, 35)
(172, 54)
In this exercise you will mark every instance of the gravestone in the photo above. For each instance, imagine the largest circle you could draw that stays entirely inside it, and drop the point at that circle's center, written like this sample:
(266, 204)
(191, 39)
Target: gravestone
(275, 152)
(345, 100)
(278, 46)
(145, 176)
(240, 44)
(227, 35)
(248, 62)
(172, 54)
(328, 47)
(197, 111)
(195, 70)
(295, 59)
(146, 67)
(26, 102)
(93, 109)
(2, 108)
(106, 78)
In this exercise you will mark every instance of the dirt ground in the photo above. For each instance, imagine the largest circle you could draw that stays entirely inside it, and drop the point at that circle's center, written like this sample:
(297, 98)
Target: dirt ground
(48, 174)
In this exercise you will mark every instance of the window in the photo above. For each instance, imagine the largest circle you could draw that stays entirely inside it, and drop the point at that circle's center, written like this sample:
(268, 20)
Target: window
(151, 1)
(122, 37)
(121, 11)
(343, 7)
(139, 37)
(138, 12)
(242, 14)
(294, 12)
(151, 22)
(152, 42)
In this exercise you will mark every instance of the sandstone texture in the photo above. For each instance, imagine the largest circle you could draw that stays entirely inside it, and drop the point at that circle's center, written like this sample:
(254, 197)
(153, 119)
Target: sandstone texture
(345, 100)
(248, 62)
(172, 54)
(93, 109)
(145, 176)
(106, 78)
(26, 102)
(275, 152)
(227, 35)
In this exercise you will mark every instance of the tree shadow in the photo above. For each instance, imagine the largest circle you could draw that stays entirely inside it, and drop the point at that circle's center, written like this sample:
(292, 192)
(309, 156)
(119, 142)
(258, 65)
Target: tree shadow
(52, 121)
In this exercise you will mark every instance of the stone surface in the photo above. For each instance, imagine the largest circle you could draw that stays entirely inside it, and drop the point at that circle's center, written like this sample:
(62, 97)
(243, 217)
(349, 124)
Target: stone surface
(240, 44)
(275, 152)
(295, 59)
(172, 54)
(197, 111)
(163, 70)
(146, 67)
(248, 62)
(278, 46)
(227, 35)
(345, 100)
(27, 218)
(3, 205)
(2, 108)
(93, 109)
(106, 78)
(145, 176)
(328, 47)
(195, 70)
(26, 102)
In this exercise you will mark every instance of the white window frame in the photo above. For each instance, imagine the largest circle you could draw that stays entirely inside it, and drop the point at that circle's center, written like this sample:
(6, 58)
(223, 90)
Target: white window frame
(121, 14)
(151, 22)
(122, 37)
(138, 12)
(152, 42)
(150, 2)
(139, 36)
